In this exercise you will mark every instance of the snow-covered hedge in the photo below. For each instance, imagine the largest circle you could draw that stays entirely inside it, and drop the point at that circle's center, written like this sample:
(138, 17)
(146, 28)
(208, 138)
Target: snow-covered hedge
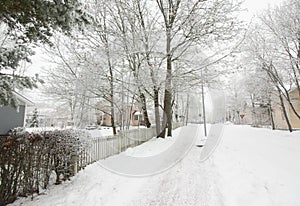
(28, 159)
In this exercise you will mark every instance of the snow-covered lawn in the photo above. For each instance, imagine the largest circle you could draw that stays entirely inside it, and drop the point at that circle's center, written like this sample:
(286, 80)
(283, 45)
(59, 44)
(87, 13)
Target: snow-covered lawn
(107, 131)
(103, 132)
(250, 166)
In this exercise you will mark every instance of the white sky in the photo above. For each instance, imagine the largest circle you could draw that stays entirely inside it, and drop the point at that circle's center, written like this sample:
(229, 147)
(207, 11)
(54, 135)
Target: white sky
(254, 6)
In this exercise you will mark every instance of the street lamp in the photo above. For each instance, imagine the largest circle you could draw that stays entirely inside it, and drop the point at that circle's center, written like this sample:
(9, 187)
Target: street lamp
(203, 104)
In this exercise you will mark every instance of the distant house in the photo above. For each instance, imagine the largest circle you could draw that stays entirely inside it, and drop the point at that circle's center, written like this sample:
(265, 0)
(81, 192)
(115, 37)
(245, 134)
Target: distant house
(104, 118)
(279, 120)
(14, 117)
(137, 118)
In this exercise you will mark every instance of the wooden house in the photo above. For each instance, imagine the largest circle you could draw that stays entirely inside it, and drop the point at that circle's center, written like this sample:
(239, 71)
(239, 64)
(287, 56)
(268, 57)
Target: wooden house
(279, 119)
(11, 117)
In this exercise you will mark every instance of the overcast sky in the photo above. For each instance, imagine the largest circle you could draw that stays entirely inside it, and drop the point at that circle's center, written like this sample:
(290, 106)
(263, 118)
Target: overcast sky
(254, 6)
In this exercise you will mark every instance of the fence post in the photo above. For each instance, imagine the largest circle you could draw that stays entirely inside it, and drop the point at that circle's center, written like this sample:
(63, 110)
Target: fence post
(74, 159)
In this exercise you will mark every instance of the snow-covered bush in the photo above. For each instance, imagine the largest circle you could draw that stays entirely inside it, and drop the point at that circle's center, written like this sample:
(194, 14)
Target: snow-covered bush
(28, 159)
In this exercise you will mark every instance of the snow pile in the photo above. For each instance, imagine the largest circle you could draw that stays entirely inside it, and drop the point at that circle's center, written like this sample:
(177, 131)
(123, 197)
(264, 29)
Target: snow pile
(154, 146)
(41, 129)
(102, 132)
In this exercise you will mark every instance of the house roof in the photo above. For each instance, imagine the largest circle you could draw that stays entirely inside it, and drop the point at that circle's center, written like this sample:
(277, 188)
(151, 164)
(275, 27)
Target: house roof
(137, 113)
(23, 99)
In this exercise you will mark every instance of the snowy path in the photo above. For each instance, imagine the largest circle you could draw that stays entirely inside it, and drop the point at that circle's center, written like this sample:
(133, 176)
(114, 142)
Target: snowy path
(251, 167)
(185, 184)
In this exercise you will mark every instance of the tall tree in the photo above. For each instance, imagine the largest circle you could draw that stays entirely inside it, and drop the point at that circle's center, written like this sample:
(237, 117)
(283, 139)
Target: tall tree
(267, 53)
(282, 23)
(27, 22)
(34, 120)
(128, 29)
(187, 23)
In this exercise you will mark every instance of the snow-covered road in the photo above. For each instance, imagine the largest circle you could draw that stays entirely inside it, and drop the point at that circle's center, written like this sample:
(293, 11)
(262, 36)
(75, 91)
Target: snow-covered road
(251, 166)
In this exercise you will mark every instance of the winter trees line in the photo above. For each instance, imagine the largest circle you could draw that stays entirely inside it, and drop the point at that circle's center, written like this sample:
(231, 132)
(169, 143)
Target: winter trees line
(140, 51)
(271, 61)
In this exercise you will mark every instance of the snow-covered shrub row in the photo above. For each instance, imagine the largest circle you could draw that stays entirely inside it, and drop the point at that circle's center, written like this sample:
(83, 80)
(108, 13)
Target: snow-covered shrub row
(28, 159)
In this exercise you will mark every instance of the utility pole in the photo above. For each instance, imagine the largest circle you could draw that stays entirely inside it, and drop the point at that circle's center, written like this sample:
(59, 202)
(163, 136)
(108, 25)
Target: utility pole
(203, 104)
(187, 108)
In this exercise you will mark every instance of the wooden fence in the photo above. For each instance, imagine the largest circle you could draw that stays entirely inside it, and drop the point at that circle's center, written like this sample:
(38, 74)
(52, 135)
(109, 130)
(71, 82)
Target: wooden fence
(103, 147)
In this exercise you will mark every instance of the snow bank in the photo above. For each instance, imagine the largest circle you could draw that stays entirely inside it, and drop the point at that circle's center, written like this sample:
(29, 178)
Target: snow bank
(102, 132)
(154, 146)
(40, 129)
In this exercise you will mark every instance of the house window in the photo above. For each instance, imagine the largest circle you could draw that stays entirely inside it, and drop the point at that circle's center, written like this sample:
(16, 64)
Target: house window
(136, 117)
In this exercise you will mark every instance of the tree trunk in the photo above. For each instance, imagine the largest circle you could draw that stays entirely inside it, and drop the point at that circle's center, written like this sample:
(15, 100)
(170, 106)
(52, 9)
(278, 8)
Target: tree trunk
(144, 109)
(271, 116)
(112, 119)
(167, 118)
(162, 133)
(156, 108)
(297, 66)
(81, 115)
(112, 108)
(254, 117)
(284, 111)
(288, 98)
(287, 94)
(168, 90)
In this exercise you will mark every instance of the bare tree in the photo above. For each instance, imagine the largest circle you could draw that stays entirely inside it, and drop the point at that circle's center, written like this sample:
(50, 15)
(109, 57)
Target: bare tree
(268, 55)
(125, 23)
(128, 38)
(149, 36)
(187, 23)
(67, 81)
(282, 23)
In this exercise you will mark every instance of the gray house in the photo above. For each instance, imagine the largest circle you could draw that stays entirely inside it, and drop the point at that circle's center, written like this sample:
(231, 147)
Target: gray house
(14, 117)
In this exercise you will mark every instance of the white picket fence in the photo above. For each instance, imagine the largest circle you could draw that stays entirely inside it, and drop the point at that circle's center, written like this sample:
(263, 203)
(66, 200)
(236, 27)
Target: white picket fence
(111, 145)
(103, 147)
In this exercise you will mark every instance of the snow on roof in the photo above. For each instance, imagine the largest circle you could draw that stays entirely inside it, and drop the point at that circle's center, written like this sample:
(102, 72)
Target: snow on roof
(137, 113)
(23, 99)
